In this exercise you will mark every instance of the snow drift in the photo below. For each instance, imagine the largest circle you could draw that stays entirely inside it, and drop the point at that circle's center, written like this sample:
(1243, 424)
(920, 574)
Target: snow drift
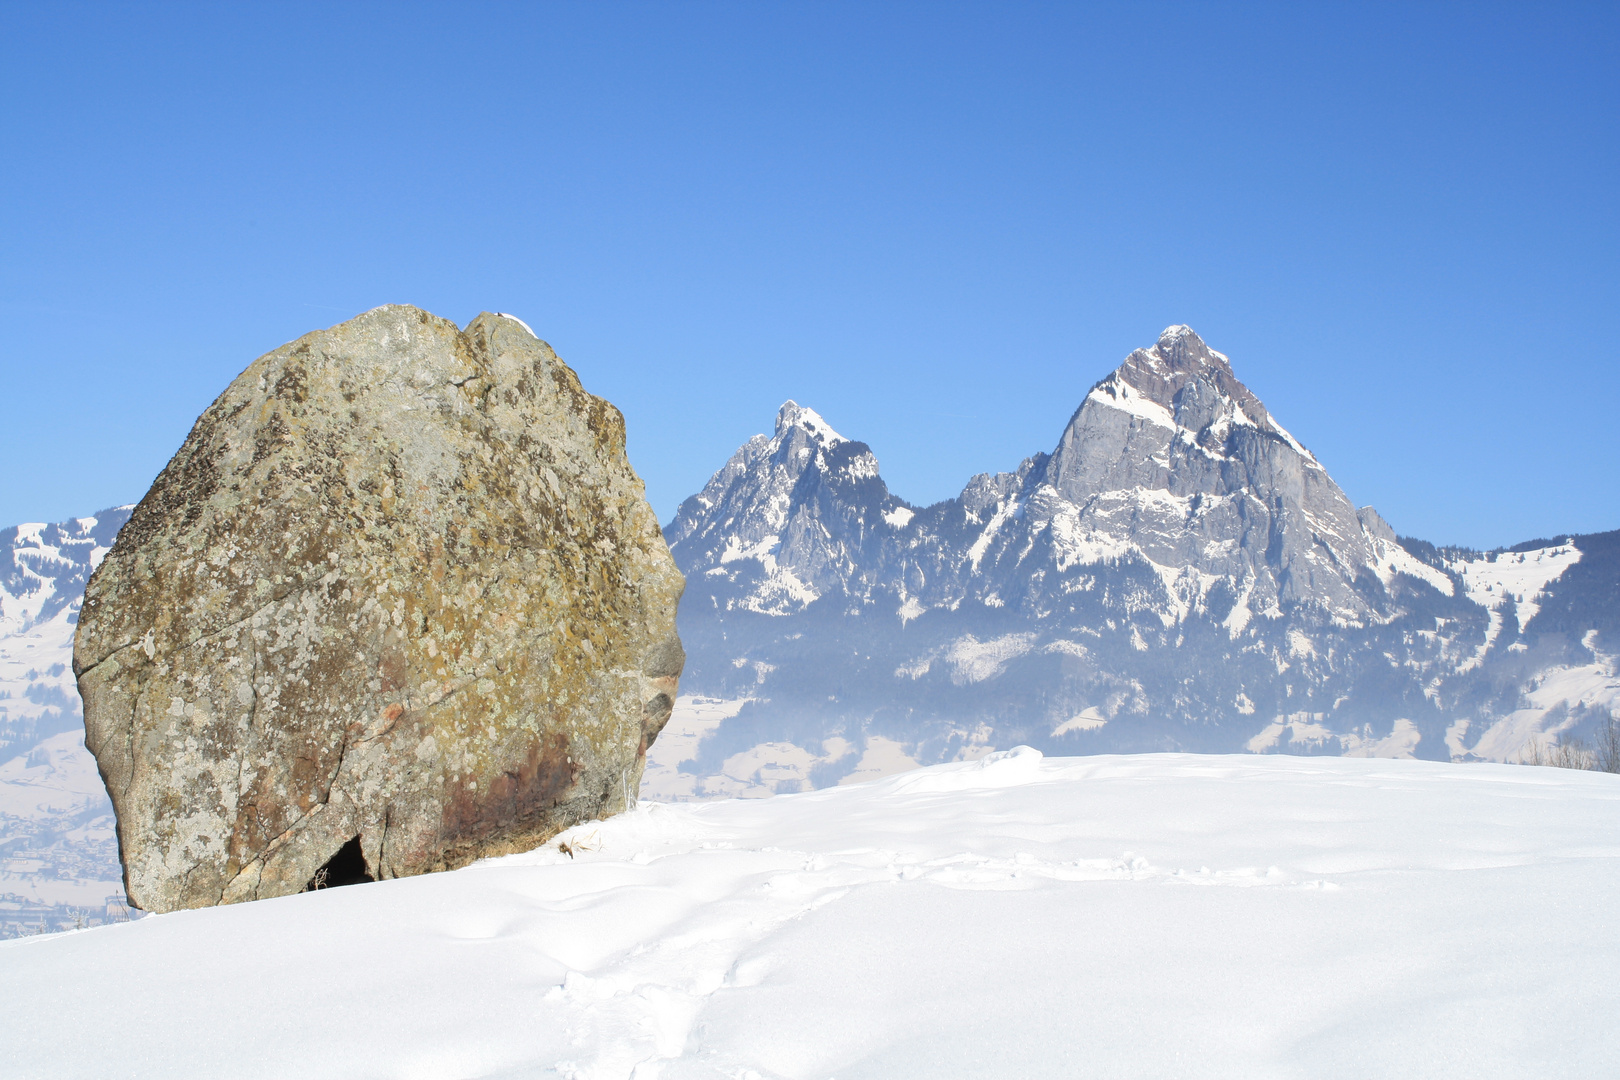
(1158, 915)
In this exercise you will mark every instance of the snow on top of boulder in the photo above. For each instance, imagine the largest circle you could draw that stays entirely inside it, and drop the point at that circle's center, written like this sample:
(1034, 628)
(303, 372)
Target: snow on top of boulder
(520, 322)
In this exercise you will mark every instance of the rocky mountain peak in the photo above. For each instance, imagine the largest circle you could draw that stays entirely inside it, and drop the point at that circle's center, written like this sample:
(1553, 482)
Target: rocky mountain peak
(1174, 456)
(793, 415)
(1180, 359)
(1169, 460)
(1373, 524)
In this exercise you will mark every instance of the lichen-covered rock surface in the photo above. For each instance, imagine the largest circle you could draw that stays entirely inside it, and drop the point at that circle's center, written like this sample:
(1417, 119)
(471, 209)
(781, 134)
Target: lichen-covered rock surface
(400, 584)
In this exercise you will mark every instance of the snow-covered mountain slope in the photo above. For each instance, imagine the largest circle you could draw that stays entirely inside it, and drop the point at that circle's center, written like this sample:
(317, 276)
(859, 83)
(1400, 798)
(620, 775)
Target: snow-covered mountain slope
(43, 571)
(58, 853)
(1179, 573)
(1161, 915)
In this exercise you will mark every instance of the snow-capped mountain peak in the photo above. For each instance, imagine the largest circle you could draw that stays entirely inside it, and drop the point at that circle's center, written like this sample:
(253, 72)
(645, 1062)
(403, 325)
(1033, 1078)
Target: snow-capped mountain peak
(43, 570)
(1169, 459)
(1179, 573)
(1189, 381)
(1180, 357)
(1172, 456)
(793, 415)
(783, 522)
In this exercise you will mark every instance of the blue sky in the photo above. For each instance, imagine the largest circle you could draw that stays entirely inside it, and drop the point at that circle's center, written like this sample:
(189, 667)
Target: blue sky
(938, 224)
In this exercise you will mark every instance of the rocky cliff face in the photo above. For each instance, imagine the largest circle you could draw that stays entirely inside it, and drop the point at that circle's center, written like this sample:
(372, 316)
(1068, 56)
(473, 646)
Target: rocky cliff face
(1172, 454)
(1178, 573)
(398, 592)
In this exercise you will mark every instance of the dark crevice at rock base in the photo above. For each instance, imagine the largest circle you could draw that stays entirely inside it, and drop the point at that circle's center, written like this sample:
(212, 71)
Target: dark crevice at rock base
(347, 867)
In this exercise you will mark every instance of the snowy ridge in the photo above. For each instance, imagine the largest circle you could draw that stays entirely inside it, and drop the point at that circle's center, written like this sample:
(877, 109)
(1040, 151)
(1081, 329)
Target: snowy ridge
(1115, 393)
(794, 415)
(1154, 463)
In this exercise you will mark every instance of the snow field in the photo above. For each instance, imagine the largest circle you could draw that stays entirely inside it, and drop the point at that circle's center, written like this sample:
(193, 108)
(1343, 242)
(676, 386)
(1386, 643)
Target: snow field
(36, 663)
(763, 769)
(57, 840)
(1524, 575)
(1153, 916)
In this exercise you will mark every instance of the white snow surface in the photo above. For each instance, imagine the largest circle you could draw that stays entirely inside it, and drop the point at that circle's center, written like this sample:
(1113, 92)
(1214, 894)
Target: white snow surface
(1491, 579)
(1115, 393)
(1144, 916)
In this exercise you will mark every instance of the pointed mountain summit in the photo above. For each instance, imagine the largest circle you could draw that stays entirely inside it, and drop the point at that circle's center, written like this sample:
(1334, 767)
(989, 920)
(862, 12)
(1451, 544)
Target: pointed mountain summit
(1179, 357)
(788, 519)
(1172, 456)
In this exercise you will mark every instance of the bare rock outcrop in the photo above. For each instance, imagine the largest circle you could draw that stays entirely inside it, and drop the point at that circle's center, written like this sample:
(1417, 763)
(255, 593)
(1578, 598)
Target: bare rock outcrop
(398, 597)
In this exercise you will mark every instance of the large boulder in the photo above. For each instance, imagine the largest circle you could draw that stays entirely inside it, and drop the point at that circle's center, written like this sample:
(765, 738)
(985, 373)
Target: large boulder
(398, 600)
